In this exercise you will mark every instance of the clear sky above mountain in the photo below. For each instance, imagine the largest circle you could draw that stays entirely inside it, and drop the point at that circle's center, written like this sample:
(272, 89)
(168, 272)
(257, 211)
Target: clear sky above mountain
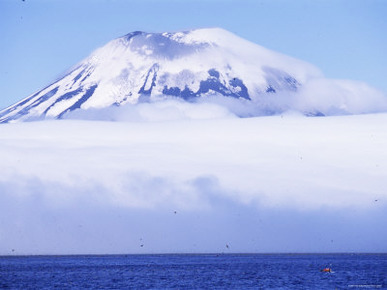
(41, 39)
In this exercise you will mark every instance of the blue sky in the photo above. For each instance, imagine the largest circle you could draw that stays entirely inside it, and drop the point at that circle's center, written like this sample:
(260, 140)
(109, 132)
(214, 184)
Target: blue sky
(41, 39)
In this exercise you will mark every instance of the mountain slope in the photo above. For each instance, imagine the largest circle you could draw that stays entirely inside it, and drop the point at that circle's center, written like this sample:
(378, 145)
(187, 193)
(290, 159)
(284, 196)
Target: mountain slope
(140, 66)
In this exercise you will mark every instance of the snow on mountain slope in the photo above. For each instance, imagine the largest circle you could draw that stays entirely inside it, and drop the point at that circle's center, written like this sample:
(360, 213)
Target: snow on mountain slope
(142, 66)
(194, 66)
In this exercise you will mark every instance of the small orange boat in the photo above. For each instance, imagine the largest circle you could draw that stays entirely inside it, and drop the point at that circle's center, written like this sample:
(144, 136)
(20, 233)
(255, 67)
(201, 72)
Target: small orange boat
(326, 270)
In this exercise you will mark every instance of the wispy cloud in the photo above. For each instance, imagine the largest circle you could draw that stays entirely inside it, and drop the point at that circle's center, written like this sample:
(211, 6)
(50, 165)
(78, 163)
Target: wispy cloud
(317, 96)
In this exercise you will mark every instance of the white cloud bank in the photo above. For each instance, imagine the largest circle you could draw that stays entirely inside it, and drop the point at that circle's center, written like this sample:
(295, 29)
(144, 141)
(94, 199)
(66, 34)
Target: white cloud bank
(281, 183)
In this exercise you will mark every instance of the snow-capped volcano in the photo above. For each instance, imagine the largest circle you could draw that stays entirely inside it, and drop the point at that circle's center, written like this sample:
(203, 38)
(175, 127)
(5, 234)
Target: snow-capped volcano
(144, 66)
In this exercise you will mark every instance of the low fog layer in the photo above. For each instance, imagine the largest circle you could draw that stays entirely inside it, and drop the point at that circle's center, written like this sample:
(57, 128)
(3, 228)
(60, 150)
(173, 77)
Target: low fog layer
(281, 183)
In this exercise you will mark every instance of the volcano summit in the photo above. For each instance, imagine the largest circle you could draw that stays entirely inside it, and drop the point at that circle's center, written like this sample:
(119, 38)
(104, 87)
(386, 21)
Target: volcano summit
(193, 65)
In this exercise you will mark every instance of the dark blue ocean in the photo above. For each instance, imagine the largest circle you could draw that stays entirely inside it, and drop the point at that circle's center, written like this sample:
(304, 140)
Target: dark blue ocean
(207, 271)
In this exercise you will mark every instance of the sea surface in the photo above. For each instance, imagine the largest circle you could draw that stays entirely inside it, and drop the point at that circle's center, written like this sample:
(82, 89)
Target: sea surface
(205, 271)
